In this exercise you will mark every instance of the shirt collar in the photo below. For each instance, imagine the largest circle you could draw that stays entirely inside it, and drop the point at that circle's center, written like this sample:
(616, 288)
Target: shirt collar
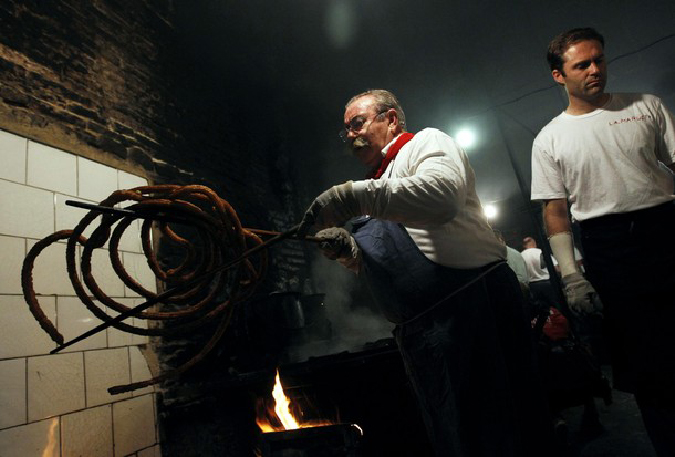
(393, 140)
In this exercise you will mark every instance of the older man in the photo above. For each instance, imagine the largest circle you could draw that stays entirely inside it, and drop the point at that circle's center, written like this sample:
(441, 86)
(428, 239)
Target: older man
(609, 154)
(438, 272)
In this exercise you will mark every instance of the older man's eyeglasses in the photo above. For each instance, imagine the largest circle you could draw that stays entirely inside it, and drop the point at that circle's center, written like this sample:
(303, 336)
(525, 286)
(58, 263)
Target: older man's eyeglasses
(356, 125)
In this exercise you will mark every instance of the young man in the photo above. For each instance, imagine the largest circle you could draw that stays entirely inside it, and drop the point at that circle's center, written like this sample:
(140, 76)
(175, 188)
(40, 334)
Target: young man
(607, 155)
(438, 272)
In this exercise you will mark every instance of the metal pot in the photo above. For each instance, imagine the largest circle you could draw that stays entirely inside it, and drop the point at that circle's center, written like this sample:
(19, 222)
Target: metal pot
(286, 310)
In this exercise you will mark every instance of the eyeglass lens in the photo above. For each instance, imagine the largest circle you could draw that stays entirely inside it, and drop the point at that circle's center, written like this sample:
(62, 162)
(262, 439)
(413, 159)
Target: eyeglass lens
(355, 125)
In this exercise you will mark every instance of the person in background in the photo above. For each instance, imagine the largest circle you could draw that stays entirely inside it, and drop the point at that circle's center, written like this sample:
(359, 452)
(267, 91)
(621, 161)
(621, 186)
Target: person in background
(609, 155)
(439, 273)
(541, 290)
(515, 262)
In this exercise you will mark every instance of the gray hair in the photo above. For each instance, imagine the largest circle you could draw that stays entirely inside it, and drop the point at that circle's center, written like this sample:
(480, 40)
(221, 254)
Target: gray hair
(384, 100)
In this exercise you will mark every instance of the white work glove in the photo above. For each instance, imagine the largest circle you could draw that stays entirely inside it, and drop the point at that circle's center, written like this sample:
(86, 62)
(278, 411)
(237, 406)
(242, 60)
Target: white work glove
(333, 207)
(581, 297)
(338, 244)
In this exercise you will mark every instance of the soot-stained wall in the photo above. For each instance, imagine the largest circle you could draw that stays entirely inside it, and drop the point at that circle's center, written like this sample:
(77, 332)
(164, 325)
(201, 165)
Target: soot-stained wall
(84, 77)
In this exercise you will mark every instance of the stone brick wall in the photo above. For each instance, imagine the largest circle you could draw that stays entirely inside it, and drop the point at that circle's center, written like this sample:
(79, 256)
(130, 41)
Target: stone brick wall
(84, 77)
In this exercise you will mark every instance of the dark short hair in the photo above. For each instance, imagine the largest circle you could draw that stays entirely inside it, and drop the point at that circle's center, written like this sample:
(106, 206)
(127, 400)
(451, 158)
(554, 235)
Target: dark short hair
(384, 100)
(528, 240)
(561, 43)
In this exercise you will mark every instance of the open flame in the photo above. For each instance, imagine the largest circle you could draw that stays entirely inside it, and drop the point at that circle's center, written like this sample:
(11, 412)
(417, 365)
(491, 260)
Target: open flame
(282, 416)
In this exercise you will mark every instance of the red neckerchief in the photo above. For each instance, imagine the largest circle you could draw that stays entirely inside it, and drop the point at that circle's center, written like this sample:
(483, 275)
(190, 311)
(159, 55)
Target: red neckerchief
(391, 154)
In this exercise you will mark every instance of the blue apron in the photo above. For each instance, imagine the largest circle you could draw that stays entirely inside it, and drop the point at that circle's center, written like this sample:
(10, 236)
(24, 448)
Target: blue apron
(465, 345)
(403, 280)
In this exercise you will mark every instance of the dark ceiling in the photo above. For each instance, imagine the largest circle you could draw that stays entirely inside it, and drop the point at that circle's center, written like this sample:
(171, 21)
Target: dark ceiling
(289, 66)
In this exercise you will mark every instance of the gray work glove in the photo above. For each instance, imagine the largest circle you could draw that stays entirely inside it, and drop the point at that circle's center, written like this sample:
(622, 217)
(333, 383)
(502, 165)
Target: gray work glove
(338, 244)
(581, 297)
(333, 207)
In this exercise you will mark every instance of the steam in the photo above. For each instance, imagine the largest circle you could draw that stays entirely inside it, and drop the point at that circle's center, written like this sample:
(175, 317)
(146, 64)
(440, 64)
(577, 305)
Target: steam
(353, 323)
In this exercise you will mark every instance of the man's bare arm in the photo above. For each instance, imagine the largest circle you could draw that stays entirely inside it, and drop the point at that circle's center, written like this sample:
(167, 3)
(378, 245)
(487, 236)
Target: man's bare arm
(556, 218)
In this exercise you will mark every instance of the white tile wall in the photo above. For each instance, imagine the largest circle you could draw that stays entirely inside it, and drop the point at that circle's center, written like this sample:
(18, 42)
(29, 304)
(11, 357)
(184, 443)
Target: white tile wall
(105, 275)
(88, 433)
(118, 337)
(67, 217)
(52, 169)
(25, 211)
(131, 238)
(128, 181)
(75, 319)
(139, 370)
(140, 323)
(134, 425)
(58, 405)
(13, 252)
(20, 333)
(96, 181)
(32, 440)
(12, 392)
(49, 272)
(13, 157)
(137, 267)
(55, 385)
(106, 368)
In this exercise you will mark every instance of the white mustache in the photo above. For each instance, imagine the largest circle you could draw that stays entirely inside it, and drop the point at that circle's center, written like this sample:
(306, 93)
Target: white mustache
(360, 142)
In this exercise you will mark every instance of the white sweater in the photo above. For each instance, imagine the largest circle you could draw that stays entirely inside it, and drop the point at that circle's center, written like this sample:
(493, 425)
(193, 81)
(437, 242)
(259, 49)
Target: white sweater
(430, 189)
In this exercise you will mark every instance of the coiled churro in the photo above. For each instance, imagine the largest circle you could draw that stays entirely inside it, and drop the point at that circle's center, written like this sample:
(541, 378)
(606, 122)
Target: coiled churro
(216, 237)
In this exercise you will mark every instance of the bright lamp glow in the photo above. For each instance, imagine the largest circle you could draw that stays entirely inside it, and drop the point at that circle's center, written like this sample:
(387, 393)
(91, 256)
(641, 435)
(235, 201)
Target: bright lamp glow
(490, 211)
(466, 138)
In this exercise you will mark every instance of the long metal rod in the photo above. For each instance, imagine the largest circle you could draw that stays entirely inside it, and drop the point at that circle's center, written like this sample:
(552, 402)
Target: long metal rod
(166, 294)
(124, 212)
(311, 239)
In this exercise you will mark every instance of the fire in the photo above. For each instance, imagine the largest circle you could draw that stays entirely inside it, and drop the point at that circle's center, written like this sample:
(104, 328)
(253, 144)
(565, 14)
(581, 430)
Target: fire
(282, 406)
(282, 413)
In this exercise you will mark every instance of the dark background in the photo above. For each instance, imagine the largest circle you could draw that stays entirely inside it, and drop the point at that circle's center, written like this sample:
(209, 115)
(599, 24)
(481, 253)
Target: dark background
(285, 70)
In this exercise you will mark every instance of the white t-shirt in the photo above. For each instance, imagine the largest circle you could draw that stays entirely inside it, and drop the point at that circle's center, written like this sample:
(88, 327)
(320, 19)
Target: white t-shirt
(536, 268)
(607, 161)
(430, 189)
(536, 271)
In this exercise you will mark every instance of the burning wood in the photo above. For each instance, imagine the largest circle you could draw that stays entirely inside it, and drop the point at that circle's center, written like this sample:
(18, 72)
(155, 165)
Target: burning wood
(282, 415)
(285, 433)
(342, 440)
